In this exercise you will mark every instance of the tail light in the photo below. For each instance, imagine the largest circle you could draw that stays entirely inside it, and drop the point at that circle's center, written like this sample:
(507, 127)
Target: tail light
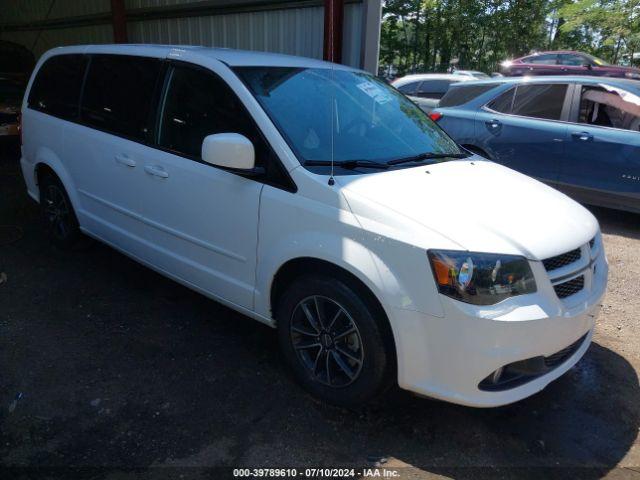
(20, 127)
(435, 116)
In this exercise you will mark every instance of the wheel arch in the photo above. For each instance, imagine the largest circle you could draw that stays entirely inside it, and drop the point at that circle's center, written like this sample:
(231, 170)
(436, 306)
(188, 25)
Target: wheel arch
(48, 162)
(297, 267)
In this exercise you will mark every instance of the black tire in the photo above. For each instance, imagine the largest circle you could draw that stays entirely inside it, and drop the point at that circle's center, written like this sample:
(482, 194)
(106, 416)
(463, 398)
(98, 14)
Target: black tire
(366, 353)
(60, 221)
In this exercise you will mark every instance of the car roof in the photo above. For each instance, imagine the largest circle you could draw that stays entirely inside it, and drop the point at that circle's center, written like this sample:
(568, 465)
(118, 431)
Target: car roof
(584, 79)
(231, 57)
(551, 52)
(416, 77)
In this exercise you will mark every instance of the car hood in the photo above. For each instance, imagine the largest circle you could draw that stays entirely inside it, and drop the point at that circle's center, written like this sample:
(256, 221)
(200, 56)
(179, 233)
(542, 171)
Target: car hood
(476, 205)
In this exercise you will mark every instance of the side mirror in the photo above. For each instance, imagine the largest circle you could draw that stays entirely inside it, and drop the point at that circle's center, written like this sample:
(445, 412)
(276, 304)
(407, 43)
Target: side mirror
(587, 65)
(229, 150)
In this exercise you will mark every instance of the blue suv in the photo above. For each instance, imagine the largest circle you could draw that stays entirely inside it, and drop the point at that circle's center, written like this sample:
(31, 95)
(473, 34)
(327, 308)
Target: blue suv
(578, 134)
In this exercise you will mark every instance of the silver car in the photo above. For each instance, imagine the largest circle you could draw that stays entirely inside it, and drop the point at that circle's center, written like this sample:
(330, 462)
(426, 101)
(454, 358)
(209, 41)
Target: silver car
(426, 89)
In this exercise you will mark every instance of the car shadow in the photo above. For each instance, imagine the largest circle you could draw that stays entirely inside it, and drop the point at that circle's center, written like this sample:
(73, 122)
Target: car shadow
(617, 222)
(582, 425)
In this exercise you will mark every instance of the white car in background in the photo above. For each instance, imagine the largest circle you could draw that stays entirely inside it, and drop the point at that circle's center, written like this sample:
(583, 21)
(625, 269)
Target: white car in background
(317, 199)
(426, 89)
(473, 74)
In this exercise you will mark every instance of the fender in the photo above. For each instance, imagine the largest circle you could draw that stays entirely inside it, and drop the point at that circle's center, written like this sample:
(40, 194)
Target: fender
(46, 156)
(345, 253)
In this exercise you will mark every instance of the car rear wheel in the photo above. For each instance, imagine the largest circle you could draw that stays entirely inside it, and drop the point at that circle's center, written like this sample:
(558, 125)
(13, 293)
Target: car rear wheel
(334, 341)
(57, 212)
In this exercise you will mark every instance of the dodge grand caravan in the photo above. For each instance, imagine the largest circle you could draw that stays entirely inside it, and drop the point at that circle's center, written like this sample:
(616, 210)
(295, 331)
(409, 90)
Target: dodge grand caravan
(316, 199)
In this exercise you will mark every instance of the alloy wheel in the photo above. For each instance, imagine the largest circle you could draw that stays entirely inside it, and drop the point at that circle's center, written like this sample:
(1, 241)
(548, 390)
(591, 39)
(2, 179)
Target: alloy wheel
(56, 212)
(327, 341)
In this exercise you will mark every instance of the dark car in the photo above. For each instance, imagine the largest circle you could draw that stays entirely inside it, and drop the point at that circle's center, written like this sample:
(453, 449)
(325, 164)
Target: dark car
(565, 62)
(578, 134)
(11, 93)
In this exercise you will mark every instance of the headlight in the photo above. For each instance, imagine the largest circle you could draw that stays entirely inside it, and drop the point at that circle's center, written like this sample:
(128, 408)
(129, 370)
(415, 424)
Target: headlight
(481, 278)
(635, 75)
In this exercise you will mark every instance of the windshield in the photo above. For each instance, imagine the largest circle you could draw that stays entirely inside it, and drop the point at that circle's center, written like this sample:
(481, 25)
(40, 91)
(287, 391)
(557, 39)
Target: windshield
(372, 122)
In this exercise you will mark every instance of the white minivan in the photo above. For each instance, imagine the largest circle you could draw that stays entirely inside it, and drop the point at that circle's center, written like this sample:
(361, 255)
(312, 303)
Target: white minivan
(318, 200)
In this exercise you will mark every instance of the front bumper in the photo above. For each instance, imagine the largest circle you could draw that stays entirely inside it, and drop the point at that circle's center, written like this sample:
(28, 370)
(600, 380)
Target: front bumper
(447, 357)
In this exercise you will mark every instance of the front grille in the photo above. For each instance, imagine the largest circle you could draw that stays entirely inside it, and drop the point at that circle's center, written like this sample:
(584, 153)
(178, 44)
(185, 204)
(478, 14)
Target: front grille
(566, 289)
(559, 261)
(557, 358)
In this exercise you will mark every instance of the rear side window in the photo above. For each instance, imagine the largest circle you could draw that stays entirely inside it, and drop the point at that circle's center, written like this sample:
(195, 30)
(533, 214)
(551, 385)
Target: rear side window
(434, 88)
(503, 102)
(197, 104)
(409, 88)
(539, 101)
(459, 95)
(547, 59)
(118, 93)
(56, 88)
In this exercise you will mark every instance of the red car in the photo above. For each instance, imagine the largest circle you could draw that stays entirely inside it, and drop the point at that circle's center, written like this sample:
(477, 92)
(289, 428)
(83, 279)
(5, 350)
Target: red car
(565, 62)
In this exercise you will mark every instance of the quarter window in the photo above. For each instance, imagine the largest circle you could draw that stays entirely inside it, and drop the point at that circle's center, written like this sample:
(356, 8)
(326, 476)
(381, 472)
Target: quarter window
(503, 102)
(118, 94)
(539, 101)
(56, 88)
(434, 88)
(409, 88)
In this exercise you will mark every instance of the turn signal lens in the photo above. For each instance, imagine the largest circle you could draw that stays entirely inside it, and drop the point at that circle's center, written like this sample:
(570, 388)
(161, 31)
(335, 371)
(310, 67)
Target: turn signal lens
(442, 270)
(481, 278)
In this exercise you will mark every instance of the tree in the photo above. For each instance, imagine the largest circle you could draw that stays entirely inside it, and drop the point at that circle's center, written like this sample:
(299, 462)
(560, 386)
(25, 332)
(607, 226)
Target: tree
(433, 35)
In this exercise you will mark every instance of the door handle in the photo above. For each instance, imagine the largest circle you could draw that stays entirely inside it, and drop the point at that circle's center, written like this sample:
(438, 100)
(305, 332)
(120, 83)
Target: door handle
(125, 160)
(582, 136)
(156, 171)
(493, 125)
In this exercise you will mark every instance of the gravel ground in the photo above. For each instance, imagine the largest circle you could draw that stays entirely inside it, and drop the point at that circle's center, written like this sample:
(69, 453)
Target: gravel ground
(106, 366)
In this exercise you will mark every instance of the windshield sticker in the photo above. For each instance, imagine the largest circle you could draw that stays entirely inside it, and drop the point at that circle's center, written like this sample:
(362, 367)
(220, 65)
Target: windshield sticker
(374, 92)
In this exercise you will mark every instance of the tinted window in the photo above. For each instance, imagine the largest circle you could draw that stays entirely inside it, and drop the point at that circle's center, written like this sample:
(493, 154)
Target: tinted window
(503, 102)
(548, 59)
(56, 88)
(409, 88)
(433, 88)
(573, 60)
(198, 104)
(118, 94)
(539, 101)
(610, 108)
(460, 94)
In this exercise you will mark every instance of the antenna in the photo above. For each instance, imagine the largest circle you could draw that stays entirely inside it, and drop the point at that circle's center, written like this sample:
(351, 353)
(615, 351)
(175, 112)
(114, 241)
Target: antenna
(333, 96)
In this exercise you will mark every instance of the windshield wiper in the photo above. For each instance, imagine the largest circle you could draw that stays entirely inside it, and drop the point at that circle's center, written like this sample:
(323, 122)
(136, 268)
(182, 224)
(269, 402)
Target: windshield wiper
(346, 164)
(427, 156)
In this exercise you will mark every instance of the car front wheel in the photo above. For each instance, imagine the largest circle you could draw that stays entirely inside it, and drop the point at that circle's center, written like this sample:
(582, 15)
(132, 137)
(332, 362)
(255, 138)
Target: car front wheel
(334, 340)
